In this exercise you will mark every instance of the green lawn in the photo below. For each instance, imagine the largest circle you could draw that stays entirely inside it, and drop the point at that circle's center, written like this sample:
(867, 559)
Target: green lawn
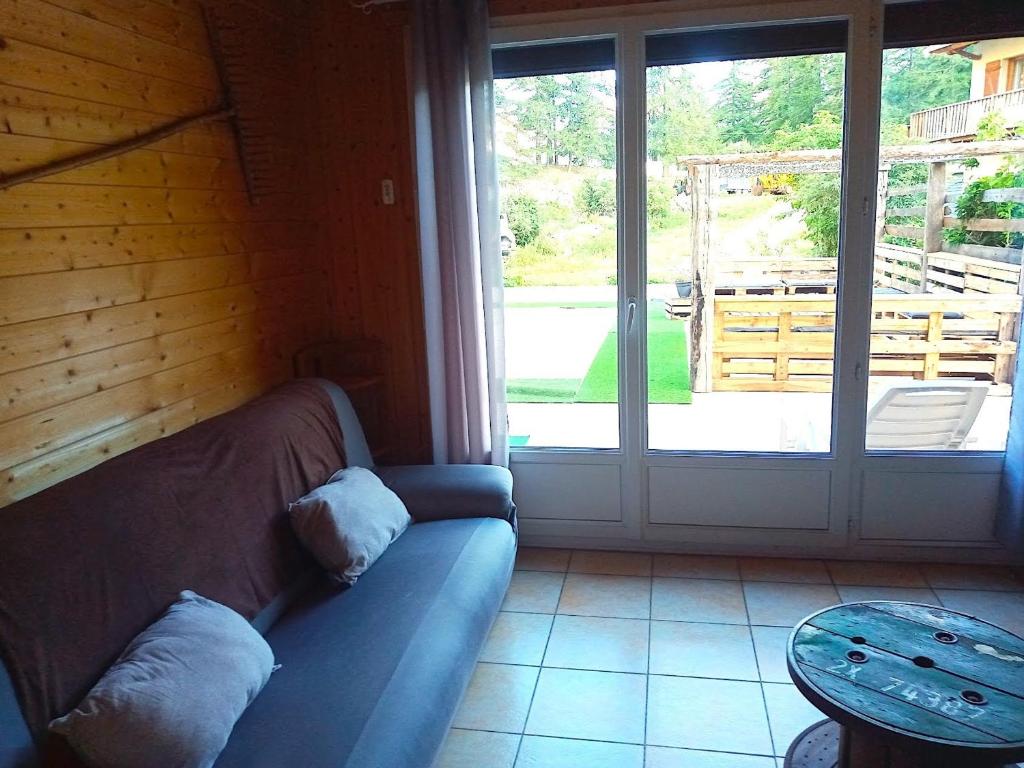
(668, 378)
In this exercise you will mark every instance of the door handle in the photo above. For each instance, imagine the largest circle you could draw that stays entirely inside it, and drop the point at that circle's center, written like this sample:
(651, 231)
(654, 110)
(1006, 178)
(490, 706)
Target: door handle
(630, 313)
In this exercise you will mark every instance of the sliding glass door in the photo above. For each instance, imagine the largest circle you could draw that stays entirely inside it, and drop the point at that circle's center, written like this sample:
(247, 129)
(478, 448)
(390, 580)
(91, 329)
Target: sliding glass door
(743, 176)
(701, 322)
(557, 171)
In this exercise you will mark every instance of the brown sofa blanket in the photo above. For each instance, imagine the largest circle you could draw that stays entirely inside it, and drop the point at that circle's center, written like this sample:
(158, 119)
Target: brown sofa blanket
(88, 564)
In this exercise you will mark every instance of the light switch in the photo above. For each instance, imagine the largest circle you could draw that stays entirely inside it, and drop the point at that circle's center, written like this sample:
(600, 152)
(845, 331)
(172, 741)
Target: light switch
(387, 191)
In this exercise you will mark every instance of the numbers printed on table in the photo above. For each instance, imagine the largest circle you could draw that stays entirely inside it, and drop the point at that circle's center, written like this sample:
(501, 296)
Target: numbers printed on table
(925, 697)
(844, 668)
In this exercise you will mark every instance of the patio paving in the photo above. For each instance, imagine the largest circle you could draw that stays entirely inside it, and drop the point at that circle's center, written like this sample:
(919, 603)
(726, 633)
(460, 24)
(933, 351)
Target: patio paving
(724, 421)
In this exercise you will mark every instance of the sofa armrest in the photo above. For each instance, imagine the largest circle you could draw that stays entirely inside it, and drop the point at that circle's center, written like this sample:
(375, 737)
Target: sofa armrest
(448, 491)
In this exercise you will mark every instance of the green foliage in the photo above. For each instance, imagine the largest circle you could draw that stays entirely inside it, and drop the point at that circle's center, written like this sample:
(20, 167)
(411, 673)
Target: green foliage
(798, 87)
(913, 81)
(971, 206)
(562, 115)
(825, 131)
(660, 195)
(523, 219)
(736, 111)
(596, 197)
(679, 119)
(817, 195)
(992, 127)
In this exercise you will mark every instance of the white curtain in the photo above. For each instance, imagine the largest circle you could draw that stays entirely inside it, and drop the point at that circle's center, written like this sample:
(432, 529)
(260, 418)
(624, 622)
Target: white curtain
(459, 231)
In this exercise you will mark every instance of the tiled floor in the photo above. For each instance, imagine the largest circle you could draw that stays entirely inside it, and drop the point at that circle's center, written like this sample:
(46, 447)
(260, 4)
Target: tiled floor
(625, 660)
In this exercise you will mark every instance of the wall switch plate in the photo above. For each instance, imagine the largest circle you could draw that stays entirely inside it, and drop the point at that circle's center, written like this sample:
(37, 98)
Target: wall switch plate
(387, 191)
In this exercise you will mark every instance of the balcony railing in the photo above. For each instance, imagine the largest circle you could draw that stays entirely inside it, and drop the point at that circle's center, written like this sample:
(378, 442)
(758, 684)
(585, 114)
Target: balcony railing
(955, 121)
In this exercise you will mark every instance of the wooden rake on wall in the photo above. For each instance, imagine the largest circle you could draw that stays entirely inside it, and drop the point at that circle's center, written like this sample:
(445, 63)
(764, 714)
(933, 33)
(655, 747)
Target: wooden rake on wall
(239, 38)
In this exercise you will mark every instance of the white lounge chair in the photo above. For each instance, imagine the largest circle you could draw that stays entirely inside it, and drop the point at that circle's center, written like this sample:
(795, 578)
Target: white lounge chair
(932, 417)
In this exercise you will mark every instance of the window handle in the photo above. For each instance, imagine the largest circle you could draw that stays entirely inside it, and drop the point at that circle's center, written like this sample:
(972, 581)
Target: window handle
(630, 313)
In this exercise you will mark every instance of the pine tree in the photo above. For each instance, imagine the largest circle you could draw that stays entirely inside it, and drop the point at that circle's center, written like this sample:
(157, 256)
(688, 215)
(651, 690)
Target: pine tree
(736, 111)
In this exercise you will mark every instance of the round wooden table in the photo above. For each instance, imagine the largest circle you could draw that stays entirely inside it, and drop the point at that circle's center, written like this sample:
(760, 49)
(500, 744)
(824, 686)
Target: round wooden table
(907, 686)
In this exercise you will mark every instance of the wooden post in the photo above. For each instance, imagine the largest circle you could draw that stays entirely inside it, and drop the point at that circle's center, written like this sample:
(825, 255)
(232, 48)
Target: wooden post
(935, 205)
(883, 199)
(702, 188)
(931, 359)
(782, 355)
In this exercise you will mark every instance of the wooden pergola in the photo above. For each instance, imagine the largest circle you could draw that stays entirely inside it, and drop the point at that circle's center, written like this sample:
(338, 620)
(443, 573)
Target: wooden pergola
(705, 170)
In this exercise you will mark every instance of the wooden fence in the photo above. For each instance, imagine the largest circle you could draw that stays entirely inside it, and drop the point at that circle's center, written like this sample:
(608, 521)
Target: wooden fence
(772, 345)
(900, 267)
(787, 343)
(735, 270)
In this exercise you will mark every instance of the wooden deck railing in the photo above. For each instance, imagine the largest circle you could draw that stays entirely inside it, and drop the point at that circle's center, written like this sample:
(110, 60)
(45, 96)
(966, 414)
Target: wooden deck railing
(787, 343)
(958, 120)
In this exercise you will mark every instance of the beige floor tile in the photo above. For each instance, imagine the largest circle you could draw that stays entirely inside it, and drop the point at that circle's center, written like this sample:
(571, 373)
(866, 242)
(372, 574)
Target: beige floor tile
(866, 574)
(696, 567)
(903, 594)
(707, 600)
(667, 757)
(702, 650)
(1004, 609)
(785, 605)
(622, 597)
(781, 569)
(609, 645)
(542, 559)
(574, 704)
(548, 752)
(789, 713)
(533, 592)
(717, 715)
(611, 563)
(771, 644)
(497, 699)
(996, 578)
(517, 638)
(478, 749)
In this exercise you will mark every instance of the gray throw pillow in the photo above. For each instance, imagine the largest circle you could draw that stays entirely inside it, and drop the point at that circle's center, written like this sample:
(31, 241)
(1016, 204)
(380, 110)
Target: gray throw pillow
(348, 523)
(173, 696)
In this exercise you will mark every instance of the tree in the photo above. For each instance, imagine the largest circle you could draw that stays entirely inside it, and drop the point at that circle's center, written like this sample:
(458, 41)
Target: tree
(797, 87)
(563, 114)
(679, 119)
(913, 81)
(736, 112)
(825, 131)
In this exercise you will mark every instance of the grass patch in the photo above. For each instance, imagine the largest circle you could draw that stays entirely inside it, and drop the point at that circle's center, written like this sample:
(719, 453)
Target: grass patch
(668, 367)
(542, 390)
(668, 379)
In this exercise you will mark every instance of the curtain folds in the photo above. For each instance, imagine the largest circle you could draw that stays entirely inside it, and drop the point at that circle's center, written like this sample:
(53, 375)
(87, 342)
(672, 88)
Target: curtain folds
(459, 230)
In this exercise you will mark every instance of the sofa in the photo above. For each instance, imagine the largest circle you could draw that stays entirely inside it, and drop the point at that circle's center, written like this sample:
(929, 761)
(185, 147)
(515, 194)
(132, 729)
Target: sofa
(370, 675)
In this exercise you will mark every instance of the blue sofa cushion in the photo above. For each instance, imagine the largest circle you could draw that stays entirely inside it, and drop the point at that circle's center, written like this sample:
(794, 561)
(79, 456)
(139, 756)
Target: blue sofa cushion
(371, 676)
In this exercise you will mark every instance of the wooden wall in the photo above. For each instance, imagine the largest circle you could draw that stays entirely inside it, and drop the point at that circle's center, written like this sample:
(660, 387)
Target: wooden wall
(365, 125)
(140, 294)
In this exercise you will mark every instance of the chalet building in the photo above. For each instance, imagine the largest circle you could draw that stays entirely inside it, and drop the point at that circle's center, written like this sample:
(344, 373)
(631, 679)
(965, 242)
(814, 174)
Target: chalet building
(997, 85)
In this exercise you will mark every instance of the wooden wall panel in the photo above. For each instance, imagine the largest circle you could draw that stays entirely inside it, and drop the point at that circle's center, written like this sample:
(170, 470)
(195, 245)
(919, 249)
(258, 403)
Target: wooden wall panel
(144, 293)
(365, 129)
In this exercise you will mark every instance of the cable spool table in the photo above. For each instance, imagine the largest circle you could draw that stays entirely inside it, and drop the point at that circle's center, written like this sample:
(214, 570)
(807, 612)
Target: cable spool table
(907, 686)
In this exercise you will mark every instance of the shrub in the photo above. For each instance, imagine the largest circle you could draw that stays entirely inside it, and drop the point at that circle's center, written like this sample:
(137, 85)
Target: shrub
(817, 195)
(596, 197)
(971, 206)
(992, 127)
(523, 219)
(659, 203)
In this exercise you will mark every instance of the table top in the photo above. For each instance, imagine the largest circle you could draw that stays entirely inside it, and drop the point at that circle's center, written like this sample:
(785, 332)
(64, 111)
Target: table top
(915, 673)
